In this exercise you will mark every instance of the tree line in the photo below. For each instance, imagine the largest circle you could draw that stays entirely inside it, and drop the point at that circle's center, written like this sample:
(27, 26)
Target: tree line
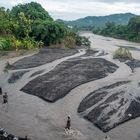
(130, 32)
(28, 26)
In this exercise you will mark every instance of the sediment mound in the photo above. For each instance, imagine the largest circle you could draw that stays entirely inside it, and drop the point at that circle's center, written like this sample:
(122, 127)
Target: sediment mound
(44, 56)
(66, 76)
(112, 105)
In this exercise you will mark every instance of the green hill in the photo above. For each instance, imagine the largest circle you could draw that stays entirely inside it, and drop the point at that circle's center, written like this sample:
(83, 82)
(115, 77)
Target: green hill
(99, 21)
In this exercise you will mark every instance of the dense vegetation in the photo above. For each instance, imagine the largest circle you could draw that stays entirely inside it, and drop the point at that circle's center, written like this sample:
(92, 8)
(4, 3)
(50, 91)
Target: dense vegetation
(131, 31)
(28, 26)
(99, 21)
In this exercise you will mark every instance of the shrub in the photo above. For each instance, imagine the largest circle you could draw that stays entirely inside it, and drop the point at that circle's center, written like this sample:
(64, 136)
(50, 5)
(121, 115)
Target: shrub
(81, 40)
(4, 44)
(69, 42)
(123, 53)
(85, 41)
(39, 44)
(7, 67)
(29, 43)
(15, 44)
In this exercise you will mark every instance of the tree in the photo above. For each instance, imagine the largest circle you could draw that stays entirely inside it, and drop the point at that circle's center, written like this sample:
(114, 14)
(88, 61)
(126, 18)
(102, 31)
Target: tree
(129, 32)
(134, 28)
(4, 21)
(22, 26)
(32, 11)
(49, 32)
(109, 28)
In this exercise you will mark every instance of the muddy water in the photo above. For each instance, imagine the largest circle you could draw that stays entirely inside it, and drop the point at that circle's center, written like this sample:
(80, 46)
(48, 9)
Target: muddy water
(29, 115)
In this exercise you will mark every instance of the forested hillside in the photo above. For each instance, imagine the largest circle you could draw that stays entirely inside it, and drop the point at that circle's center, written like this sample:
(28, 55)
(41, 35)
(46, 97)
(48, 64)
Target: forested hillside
(131, 31)
(28, 26)
(99, 21)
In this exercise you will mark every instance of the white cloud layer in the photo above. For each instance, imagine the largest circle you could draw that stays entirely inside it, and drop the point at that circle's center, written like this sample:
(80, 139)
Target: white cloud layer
(73, 9)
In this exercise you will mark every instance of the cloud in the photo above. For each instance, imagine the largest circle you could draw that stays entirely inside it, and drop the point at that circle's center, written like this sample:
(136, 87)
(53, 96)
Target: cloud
(11, 3)
(73, 9)
(77, 9)
(123, 1)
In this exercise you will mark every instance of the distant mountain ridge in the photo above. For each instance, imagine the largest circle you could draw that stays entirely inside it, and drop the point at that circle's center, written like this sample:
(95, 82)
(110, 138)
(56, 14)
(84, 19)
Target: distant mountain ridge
(99, 21)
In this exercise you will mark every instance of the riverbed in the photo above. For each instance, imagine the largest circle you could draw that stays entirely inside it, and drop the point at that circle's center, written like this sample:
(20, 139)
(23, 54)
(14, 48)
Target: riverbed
(41, 120)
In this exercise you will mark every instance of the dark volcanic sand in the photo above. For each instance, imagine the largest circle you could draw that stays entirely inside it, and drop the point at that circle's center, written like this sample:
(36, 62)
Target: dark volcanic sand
(89, 53)
(121, 59)
(67, 75)
(15, 76)
(112, 105)
(135, 63)
(44, 56)
(36, 73)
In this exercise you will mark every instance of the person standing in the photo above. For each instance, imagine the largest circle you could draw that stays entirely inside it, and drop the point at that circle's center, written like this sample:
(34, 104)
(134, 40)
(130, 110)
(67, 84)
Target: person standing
(5, 100)
(106, 138)
(0, 94)
(26, 138)
(68, 125)
(0, 90)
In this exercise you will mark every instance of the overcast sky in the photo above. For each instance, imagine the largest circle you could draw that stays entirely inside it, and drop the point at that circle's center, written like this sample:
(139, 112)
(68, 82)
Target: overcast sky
(73, 9)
